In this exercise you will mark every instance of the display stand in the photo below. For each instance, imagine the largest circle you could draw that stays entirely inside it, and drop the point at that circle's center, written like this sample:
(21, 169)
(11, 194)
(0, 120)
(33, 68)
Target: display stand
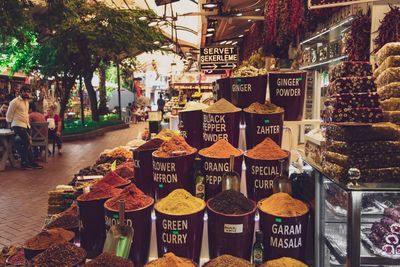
(341, 227)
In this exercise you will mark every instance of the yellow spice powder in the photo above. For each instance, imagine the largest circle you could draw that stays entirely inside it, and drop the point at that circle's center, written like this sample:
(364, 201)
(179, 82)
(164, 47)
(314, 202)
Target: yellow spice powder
(166, 134)
(284, 262)
(170, 260)
(180, 202)
(283, 205)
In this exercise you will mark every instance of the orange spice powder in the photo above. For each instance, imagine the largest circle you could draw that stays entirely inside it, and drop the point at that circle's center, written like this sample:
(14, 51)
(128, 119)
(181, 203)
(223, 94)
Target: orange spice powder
(220, 149)
(283, 205)
(267, 150)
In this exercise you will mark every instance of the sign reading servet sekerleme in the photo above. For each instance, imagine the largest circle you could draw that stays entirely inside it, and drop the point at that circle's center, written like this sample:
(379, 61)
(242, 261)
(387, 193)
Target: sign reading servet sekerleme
(218, 57)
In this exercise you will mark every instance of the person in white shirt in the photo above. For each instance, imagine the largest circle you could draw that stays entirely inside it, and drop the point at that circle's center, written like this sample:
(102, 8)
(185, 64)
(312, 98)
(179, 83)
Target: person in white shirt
(18, 116)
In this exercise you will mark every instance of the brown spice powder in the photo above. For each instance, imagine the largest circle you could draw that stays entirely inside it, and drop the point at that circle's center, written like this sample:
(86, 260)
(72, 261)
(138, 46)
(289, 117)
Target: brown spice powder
(46, 238)
(267, 150)
(220, 149)
(222, 106)
(170, 260)
(282, 204)
(266, 108)
(176, 144)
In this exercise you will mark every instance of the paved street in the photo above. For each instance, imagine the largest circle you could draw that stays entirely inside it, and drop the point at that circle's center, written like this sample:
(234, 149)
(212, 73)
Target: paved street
(23, 197)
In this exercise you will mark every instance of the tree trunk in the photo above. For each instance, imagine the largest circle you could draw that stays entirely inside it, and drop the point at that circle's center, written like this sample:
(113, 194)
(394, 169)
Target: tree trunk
(102, 90)
(67, 84)
(92, 96)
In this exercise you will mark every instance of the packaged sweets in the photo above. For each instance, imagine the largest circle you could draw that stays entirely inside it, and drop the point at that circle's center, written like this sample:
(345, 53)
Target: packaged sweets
(389, 49)
(388, 76)
(354, 100)
(352, 85)
(390, 90)
(365, 115)
(372, 161)
(361, 148)
(390, 62)
(350, 68)
(284, 262)
(392, 116)
(391, 104)
(376, 132)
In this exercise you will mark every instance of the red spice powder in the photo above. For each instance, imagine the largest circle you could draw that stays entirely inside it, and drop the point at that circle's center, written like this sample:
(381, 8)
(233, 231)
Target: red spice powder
(134, 199)
(113, 179)
(125, 170)
(267, 150)
(100, 191)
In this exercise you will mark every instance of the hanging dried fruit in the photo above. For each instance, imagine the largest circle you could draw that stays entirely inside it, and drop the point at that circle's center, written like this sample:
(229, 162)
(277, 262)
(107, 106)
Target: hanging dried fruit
(358, 41)
(389, 30)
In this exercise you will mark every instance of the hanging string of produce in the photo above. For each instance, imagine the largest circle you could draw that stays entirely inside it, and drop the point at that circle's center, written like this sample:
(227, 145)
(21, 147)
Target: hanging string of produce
(358, 39)
(389, 30)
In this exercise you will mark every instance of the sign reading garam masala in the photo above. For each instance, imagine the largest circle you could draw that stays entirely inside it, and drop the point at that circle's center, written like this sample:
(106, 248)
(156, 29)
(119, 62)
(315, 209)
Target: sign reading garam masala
(218, 57)
(287, 90)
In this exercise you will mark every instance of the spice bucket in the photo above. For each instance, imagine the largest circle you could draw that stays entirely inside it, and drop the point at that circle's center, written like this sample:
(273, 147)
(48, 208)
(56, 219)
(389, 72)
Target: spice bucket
(284, 236)
(191, 127)
(172, 173)
(260, 175)
(140, 221)
(261, 126)
(230, 234)
(247, 90)
(142, 162)
(287, 90)
(180, 234)
(92, 226)
(218, 126)
(223, 88)
(213, 170)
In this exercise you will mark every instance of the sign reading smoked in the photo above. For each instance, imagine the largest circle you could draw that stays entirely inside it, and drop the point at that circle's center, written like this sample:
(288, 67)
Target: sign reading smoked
(287, 90)
(218, 57)
(315, 4)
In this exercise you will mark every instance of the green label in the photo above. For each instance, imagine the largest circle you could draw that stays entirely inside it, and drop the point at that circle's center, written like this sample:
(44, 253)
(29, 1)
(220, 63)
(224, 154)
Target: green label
(278, 220)
(161, 185)
(266, 121)
(175, 232)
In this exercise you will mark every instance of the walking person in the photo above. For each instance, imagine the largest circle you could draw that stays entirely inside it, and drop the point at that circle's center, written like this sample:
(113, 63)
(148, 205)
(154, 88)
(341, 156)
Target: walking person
(18, 116)
(55, 127)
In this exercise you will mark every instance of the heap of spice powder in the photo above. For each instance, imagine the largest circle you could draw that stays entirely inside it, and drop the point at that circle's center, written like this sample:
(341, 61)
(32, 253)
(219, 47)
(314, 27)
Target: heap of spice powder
(125, 170)
(107, 259)
(170, 260)
(220, 149)
(231, 202)
(166, 134)
(112, 179)
(228, 261)
(152, 144)
(100, 191)
(267, 150)
(283, 205)
(44, 239)
(180, 202)
(284, 262)
(266, 108)
(134, 199)
(65, 254)
(176, 146)
(67, 221)
(222, 106)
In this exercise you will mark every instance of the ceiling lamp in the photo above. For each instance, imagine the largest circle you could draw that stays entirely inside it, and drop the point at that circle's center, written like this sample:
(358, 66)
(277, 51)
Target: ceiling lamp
(143, 18)
(210, 30)
(240, 36)
(170, 19)
(234, 43)
(223, 42)
(228, 42)
(156, 42)
(153, 23)
(210, 6)
(161, 22)
(239, 14)
(171, 46)
(249, 20)
(257, 9)
(165, 47)
(209, 34)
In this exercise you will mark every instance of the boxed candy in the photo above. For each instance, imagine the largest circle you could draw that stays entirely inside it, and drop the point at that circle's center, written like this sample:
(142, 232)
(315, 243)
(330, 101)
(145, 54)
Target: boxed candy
(350, 68)
(375, 132)
(375, 161)
(361, 148)
(390, 62)
(392, 116)
(388, 76)
(352, 85)
(363, 115)
(390, 90)
(355, 100)
(389, 49)
(392, 104)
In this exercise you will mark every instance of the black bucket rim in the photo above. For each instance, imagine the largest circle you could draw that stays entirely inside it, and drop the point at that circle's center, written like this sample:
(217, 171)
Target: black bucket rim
(272, 113)
(140, 209)
(289, 217)
(221, 113)
(180, 215)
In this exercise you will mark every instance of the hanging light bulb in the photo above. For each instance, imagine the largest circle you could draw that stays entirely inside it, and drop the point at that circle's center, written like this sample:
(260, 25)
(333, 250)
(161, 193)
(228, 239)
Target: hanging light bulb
(156, 42)
(153, 23)
(143, 18)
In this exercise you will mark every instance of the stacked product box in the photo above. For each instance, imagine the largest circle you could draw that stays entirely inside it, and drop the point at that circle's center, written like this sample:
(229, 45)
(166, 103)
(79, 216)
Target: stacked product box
(356, 136)
(387, 76)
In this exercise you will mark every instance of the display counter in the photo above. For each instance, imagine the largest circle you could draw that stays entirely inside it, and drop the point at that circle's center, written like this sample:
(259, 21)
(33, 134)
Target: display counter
(353, 223)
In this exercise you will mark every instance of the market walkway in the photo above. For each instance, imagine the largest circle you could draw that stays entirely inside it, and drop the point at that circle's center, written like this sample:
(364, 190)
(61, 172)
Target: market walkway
(23, 197)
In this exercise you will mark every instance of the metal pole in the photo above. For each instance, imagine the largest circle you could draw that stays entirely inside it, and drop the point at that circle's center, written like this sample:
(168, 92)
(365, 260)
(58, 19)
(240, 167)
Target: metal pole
(119, 92)
(81, 97)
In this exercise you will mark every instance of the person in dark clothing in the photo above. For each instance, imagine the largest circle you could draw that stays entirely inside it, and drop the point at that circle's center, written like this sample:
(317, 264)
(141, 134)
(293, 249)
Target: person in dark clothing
(161, 104)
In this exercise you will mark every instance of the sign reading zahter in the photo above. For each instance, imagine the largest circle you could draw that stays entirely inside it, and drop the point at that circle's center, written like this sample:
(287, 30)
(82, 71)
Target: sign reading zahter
(218, 57)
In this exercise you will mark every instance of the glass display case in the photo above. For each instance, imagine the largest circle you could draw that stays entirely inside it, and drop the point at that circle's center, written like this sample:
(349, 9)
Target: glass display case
(357, 224)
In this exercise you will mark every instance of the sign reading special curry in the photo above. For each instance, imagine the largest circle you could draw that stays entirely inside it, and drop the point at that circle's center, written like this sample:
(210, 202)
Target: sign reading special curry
(287, 90)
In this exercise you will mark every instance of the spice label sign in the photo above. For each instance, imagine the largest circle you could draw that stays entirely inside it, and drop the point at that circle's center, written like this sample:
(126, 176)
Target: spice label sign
(233, 228)
(218, 58)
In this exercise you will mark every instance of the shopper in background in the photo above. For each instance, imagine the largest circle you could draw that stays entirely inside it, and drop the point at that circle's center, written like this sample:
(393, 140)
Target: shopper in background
(55, 127)
(161, 104)
(35, 116)
(18, 116)
(3, 121)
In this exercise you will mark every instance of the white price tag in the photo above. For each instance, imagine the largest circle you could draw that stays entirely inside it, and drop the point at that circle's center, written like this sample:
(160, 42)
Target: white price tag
(233, 228)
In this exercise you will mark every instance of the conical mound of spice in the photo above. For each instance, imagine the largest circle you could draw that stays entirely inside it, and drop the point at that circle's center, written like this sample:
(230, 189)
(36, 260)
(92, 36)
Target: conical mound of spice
(267, 150)
(100, 191)
(176, 146)
(112, 179)
(283, 205)
(46, 238)
(222, 106)
(284, 262)
(231, 202)
(150, 145)
(170, 260)
(266, 108)
(134, 199)
(228, 261)
(107, 259)
(65, 254)
(220, 149)
(180, 202)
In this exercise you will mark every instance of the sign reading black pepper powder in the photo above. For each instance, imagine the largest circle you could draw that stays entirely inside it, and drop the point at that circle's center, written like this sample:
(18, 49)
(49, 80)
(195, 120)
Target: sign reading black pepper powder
(287, 90)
